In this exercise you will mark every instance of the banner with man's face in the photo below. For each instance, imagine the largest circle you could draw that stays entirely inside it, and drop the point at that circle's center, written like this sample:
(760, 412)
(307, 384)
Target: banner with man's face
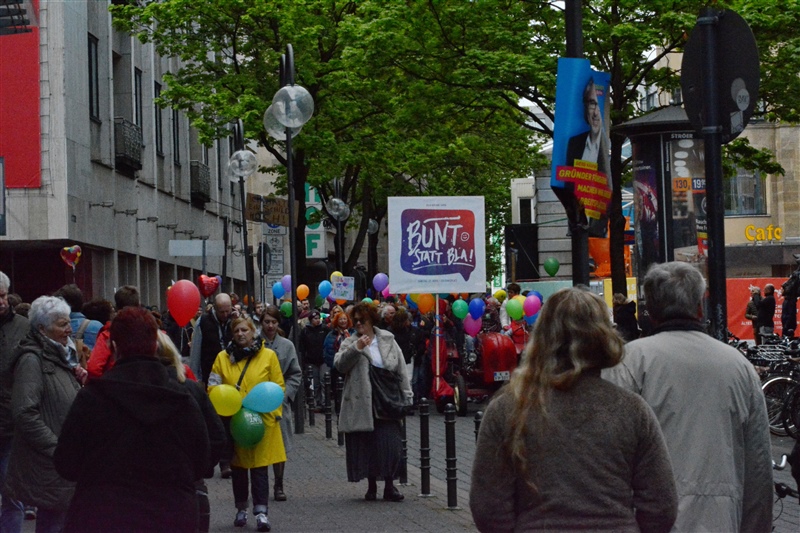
(581, 173)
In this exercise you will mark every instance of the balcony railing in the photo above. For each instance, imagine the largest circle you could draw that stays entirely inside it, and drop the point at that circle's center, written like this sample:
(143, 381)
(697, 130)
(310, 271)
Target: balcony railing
(200, 182)
(127, 145)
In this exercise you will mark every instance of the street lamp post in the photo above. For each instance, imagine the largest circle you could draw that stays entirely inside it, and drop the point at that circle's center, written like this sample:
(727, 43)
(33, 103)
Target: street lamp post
(292, 106)
(243, 164)
(340, 211)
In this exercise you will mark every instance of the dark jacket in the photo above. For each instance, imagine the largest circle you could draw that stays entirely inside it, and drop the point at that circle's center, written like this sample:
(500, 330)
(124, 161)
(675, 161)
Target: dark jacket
(332, 342)
(214, 338)
(13, 329)
(312, 344)
(43, 391)
(406, 338)
(766, 311)
(135, 442)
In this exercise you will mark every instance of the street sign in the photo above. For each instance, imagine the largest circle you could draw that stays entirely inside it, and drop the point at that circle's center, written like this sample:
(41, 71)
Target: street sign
(738, 75)
(194, 248)
(274, 229)
(268, 209)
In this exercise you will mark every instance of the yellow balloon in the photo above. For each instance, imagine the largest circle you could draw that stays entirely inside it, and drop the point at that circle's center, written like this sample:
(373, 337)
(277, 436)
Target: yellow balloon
(520, 298)
(226, 400)
(335, 274)
(500, 295)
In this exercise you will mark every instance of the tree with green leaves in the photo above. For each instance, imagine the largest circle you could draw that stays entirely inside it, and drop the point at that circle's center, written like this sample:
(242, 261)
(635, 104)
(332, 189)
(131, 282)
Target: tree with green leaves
(378, 130)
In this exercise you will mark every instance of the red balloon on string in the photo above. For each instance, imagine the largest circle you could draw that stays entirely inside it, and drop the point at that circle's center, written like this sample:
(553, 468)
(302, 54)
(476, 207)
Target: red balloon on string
(183, 301)
(208, 285)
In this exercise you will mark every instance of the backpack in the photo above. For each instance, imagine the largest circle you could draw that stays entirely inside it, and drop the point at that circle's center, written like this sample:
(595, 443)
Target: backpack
(82, 350)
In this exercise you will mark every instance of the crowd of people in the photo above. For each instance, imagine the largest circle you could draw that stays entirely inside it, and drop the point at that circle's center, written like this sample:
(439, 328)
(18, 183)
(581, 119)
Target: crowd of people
(106, 422)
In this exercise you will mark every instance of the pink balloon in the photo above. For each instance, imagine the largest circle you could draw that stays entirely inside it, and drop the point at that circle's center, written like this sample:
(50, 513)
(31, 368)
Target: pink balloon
(385, 292)
(472, 326)
(532, 305)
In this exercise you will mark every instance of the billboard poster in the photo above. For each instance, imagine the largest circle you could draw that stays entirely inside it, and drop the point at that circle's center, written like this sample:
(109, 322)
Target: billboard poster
(738, 294)
(437, 244)
(343, 287)
(581, 166)
(646, 209)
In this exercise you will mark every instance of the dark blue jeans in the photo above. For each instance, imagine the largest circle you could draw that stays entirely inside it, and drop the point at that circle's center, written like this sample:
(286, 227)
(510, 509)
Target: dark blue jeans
(11, 511)
(259, 483)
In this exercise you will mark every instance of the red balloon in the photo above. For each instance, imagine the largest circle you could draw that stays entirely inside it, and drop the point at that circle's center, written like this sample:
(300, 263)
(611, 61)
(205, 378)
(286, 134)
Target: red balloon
(208, 285)
(183, 301)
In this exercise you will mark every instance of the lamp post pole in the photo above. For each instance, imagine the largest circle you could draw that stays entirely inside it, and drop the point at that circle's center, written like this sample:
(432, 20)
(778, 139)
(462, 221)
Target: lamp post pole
(243, 164)
(292, 106)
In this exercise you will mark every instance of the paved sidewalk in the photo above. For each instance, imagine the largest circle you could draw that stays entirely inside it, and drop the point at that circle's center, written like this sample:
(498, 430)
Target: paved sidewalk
(321, 499)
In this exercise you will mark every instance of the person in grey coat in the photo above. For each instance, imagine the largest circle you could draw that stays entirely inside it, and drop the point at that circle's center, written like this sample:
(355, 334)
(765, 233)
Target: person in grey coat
(373, 445)
(708, 400)
(292, 378)
(45, 386)
(559, 448)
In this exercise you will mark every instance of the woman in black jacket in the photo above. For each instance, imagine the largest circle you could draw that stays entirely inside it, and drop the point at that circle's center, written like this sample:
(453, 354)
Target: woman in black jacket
(135, 441)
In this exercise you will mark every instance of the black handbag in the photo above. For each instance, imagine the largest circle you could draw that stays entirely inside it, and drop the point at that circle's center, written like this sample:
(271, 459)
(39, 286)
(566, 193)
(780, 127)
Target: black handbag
(388, 398)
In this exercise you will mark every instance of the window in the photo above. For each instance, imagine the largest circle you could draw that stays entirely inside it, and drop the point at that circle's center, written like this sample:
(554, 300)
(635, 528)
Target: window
(176, 137)
(745, 194)
(137, 97)
(525, 211)
(159, 124)
(94, 79)
(220, 166)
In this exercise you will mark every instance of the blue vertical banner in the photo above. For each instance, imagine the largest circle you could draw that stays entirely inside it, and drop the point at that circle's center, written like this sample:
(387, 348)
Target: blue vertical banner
(581, 148)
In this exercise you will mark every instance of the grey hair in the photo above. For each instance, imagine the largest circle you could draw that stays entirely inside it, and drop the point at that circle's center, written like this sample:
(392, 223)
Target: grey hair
(5, 283)
(45, 310)
(673, 290)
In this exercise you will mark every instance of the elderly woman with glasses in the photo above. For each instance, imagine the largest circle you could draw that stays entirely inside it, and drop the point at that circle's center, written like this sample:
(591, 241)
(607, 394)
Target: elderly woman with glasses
(45, 385)
(373, 444)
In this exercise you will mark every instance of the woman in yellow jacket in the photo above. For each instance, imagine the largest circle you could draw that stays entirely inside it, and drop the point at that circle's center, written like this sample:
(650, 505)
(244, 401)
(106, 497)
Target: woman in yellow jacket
(245, 364)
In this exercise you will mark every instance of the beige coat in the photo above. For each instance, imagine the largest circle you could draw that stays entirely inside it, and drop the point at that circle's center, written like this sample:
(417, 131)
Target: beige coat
(356, 411)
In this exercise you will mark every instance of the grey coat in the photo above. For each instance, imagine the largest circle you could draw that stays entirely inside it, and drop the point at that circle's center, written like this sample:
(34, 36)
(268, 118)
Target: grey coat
(708, 400)
(356, 411)
(13, 329)
(43, 392)
(292, 378)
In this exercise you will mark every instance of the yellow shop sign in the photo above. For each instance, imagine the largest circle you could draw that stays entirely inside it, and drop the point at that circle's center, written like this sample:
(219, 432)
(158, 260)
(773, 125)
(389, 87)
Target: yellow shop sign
(769, 233)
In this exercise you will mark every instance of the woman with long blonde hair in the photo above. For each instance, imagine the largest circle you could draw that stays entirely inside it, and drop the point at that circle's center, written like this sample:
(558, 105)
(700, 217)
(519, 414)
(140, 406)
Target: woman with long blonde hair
(559, 447)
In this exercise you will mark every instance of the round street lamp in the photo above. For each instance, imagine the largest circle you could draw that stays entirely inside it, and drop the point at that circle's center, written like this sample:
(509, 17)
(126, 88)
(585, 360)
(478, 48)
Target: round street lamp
(242, 164)
(292, 106)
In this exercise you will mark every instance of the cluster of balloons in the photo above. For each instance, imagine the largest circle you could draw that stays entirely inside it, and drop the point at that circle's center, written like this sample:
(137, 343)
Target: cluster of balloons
(247, 427)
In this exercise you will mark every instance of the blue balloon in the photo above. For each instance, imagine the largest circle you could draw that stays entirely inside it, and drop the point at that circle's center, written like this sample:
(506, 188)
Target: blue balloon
(476, 308)
(538, 295)
(531, 320)
(325, 288)
(264, 397)
(277, 290)
(411, 303)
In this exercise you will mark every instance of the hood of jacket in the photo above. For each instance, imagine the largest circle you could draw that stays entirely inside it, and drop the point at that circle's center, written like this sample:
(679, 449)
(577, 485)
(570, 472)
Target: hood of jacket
(141, 387)
(36, 342)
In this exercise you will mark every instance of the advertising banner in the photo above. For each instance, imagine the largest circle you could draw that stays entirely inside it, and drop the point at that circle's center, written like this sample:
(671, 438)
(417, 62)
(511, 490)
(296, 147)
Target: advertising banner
(437, 244)
(581, 166)
(738, 290)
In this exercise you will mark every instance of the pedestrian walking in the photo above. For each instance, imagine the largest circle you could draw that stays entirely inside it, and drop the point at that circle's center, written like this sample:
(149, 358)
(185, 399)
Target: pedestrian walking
(311, 347)
(373, 444)
(244, 364)
(709, 403)
(134, 441)
(560, 448)
(45, 385)
(274, 339)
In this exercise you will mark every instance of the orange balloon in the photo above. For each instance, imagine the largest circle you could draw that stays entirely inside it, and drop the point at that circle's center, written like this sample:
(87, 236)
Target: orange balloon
(341, 302)
(425, 303)
(302, 291)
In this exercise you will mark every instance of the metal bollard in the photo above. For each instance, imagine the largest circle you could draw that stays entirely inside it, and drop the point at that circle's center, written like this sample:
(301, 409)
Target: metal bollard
(404, 454)
(424, 448)
(326, 379)
(450, 455)
(338, 404)
(478, 419)
(311, 402)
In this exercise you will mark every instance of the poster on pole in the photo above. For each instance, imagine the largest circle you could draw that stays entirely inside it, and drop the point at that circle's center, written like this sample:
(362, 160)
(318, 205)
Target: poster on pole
(343, 287)
(581, 148)
(437, 244)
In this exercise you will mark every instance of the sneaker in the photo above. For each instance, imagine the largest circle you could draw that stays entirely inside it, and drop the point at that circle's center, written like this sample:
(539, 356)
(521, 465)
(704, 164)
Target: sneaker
(225, 470)
(241, 518)
(30, 512)
(262, 522)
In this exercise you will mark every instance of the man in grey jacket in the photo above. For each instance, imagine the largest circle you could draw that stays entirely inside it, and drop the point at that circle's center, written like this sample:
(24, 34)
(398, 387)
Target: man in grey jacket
(708, 401)
(13, 328)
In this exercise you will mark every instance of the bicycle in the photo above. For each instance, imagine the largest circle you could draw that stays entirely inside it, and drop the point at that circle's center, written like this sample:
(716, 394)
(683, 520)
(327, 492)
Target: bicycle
(782, 490)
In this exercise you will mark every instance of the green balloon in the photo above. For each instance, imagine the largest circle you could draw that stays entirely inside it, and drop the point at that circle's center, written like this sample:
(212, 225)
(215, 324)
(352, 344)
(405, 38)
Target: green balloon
(514, 309)
(460, 309)
(367, 300)
(551, 266)
(286, 309)
(247, 428)
(319, 300)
